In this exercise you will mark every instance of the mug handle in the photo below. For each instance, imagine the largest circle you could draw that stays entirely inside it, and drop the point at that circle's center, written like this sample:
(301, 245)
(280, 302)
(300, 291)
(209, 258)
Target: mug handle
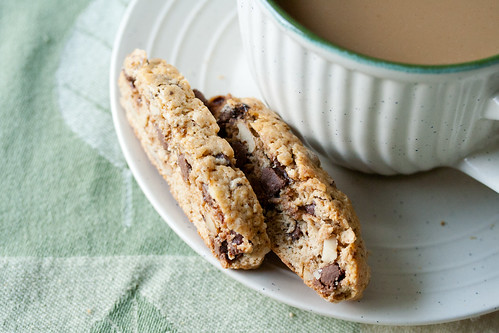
(484, 164)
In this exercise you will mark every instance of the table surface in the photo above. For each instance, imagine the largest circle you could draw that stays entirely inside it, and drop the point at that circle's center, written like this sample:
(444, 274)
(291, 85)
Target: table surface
(81, 248)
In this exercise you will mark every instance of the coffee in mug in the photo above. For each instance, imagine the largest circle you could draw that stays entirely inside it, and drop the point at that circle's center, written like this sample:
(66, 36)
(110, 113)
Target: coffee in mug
(423, 32)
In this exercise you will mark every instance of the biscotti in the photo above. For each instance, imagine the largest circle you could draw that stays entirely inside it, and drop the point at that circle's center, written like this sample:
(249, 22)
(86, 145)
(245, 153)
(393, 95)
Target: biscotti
(311, 224)
(179, 135)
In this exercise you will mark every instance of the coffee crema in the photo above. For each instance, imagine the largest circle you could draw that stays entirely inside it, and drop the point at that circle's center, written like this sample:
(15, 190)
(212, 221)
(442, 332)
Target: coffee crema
(424, 32)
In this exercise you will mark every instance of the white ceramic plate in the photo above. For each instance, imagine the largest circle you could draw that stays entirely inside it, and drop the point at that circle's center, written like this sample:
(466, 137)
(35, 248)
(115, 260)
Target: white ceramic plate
(433, 238)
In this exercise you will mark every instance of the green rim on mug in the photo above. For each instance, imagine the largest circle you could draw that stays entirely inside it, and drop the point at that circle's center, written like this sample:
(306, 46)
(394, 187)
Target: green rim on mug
(291, 24)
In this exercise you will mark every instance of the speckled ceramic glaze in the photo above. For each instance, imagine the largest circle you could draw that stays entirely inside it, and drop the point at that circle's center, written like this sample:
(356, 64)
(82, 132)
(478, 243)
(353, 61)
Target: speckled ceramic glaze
(371, 115)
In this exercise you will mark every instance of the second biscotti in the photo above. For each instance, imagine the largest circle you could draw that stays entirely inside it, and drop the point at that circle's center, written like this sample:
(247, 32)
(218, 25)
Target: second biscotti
(312, 225)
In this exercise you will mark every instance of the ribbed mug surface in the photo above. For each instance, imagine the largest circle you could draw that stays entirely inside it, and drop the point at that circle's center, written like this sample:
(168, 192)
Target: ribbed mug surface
(372, 118)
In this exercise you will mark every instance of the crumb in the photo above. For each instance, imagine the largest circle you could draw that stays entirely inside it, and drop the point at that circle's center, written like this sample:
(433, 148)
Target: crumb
(443, 223)
(291, 315)
(472, 237)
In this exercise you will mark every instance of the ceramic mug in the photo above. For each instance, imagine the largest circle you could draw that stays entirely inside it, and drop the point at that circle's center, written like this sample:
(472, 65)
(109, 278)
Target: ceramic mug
(372, 115)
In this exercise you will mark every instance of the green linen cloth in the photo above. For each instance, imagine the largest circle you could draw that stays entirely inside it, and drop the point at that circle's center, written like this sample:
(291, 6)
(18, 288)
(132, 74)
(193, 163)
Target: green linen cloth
(81, 249)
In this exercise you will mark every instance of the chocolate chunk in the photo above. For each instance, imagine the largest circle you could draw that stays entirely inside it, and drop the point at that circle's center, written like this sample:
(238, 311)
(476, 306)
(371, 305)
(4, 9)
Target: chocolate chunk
(199, 95)
(273, 180)
(130, 80)
(262, 196)
(296, 233)
(229, 112)
(215, 103)
(222, 159)
(221, 248)
(331, 275)
(240, 153)
(310, 209)
(227, 250)
(185, 167)
(237, 238)
(206, 196)
(281, 171)
(161, 138)
(232, 250)
(241, 109)
(223, 132)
